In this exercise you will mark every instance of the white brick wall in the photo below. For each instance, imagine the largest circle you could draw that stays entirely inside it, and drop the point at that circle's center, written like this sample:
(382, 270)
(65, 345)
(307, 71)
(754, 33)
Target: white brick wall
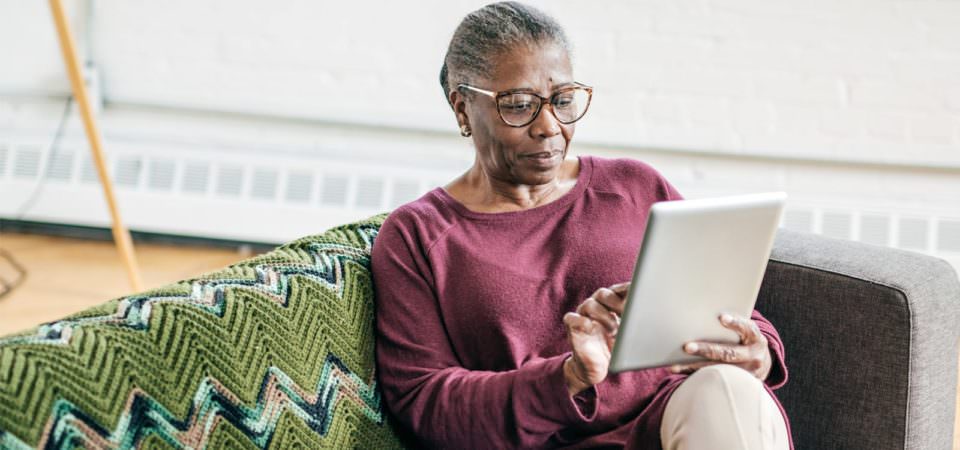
(845, 103)
(820, 79)
(816, 79)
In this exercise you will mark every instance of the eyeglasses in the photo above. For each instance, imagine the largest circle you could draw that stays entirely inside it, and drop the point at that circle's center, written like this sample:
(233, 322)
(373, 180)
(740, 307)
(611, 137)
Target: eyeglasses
(519, 109)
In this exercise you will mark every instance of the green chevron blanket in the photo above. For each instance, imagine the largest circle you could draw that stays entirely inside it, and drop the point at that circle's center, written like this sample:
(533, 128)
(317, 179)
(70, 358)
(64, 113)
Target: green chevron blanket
(273, 352)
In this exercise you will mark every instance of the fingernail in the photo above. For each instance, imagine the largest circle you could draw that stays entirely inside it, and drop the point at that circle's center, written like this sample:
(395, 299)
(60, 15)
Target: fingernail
(725, 318)
(691, 347)
(674, 369)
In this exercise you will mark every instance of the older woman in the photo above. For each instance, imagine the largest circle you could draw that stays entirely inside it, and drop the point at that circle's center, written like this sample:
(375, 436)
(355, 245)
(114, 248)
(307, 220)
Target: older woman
(498, 294)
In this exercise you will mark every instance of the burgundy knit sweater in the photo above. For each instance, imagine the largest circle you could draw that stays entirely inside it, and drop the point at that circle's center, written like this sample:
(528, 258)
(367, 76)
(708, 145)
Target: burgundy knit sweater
(469, 315)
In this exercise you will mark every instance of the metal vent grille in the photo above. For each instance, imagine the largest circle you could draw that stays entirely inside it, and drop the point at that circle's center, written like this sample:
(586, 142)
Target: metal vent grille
(875, 229)
(298, 193)
(798, 220)
(230, 180)
(88, 172)
(369, 192)
(836, 225)
(325, 193)
(3, 159)
(26, 163)
(60, 166)
(404, 191)
(160, 174)
(195, 177)
(264, 184)
(128, 172)
(299, 185)
(334, 190)
(913, 234)
(948, 238)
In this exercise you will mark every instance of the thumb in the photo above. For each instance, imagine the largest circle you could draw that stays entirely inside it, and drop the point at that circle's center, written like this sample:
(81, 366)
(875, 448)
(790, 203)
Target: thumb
(610, 341)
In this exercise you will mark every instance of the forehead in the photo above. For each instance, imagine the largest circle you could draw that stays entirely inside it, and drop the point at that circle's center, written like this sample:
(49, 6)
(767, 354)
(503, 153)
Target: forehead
(538, 67)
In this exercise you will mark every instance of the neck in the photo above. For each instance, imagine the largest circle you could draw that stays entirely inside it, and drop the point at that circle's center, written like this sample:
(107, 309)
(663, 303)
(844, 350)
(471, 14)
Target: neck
(491, 192)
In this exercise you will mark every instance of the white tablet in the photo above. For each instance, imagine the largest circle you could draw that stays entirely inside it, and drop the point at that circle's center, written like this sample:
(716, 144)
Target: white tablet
(699, 258)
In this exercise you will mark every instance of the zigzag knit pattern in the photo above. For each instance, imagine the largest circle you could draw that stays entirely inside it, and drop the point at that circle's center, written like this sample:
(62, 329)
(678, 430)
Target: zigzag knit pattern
(273, 352)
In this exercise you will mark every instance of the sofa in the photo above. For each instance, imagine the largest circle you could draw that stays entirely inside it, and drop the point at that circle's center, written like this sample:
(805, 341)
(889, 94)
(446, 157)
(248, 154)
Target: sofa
(277, 351)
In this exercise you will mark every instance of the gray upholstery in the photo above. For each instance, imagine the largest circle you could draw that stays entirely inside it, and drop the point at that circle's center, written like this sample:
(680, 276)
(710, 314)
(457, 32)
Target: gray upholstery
(871, 341)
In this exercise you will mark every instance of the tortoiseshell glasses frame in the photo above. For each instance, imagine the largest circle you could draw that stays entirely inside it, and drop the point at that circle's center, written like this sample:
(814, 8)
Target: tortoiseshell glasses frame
(519, 108)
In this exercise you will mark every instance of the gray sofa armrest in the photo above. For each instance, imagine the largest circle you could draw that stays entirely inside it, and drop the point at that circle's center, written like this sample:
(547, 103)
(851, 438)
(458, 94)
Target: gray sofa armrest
(871, 343)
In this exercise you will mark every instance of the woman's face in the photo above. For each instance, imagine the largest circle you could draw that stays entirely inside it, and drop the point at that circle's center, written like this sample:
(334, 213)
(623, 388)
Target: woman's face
(532, 154)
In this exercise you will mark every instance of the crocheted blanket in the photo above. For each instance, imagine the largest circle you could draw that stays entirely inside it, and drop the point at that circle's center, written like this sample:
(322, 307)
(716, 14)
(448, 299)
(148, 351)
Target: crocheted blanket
(273, 352)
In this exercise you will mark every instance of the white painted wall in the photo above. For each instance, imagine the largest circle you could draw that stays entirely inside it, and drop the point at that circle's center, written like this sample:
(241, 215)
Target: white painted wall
(833, 79)
(851, 106)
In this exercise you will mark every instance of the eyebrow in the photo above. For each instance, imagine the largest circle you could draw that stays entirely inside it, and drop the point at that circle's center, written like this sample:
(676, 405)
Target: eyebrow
(525, 90)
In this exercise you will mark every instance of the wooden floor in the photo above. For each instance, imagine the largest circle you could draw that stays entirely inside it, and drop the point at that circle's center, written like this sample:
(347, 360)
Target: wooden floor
(66, 275)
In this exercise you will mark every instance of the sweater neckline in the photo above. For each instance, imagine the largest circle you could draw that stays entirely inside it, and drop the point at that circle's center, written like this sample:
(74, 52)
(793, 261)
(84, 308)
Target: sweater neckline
(583, 180)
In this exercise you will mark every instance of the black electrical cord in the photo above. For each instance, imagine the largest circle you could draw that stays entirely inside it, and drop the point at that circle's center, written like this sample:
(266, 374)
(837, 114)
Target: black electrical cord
(7, 286)
(54, 144)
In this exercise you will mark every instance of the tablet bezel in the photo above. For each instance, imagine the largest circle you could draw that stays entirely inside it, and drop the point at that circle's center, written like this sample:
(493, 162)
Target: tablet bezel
(743, 224)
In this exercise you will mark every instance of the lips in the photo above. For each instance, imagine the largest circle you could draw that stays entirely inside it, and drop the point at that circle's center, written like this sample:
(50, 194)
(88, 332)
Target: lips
(541, 161)
(539, 155)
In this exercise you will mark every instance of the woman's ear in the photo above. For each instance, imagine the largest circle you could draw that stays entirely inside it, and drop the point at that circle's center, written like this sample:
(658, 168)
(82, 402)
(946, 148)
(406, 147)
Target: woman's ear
(459, 104)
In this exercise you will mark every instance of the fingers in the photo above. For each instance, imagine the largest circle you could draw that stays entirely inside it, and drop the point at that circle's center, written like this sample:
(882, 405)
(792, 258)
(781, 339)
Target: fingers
(692, 367)
(621, 288)
(747, 329)
(719, 352)
(605, 307)
(610, 299)
(578, 323)
(593, 309)
(744, 355)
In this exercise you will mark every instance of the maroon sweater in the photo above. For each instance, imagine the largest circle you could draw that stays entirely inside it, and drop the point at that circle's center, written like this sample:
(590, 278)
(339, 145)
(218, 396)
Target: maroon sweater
(470, 307)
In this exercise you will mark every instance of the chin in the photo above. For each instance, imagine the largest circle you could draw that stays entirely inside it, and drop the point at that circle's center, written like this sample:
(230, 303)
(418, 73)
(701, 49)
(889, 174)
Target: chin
(539, 176)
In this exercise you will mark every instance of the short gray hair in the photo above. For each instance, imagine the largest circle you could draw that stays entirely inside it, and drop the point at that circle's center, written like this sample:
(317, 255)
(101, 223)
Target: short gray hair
(492, 30)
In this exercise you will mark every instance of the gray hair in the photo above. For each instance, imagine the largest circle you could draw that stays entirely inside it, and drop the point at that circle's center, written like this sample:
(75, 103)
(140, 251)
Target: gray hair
(493, 30)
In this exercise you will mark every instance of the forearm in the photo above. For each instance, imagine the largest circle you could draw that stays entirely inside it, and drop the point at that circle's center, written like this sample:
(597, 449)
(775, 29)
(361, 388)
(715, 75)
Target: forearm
(459, 408)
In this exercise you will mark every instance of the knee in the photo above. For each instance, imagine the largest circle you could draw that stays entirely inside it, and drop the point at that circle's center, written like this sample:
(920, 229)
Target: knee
(722, 406)
(720, 387)
(722, 378)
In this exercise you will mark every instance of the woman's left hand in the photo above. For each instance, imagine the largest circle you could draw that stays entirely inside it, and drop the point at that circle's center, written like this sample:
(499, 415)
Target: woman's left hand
(752, 354)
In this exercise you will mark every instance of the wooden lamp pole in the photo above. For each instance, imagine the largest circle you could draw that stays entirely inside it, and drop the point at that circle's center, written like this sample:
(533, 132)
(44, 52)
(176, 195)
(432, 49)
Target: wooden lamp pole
(121, 236)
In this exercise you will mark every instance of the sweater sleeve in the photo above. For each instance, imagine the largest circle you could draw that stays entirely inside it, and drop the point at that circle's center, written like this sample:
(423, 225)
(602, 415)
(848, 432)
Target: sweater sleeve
(778, 370)
(423, 382)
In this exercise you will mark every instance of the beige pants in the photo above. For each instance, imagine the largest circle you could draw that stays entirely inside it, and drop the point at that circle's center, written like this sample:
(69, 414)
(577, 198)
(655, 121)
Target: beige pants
(722, 407)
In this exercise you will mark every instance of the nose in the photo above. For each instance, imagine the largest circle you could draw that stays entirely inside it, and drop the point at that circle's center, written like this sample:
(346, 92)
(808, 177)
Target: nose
(545, 125)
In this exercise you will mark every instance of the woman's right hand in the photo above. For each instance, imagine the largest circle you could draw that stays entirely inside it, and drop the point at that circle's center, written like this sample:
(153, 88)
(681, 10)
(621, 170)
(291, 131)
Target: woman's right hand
(592, 330)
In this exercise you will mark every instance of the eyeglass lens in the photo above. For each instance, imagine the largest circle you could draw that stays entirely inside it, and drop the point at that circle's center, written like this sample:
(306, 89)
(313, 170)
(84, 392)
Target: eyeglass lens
(519, 108)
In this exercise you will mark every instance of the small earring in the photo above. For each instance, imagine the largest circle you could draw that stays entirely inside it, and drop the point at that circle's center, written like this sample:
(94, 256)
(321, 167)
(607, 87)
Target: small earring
(465, 131)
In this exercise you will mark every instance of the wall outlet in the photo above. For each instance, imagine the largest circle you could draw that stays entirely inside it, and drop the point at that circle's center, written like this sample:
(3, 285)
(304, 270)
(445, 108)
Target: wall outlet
(93, 83)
